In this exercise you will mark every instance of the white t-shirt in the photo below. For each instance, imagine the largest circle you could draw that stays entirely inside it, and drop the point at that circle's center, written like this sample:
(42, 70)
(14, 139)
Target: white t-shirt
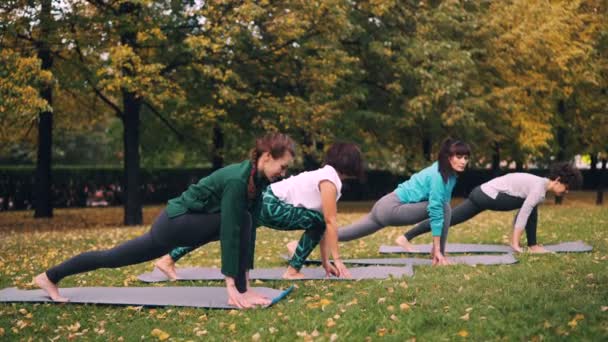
(523, 185)
(302, 190)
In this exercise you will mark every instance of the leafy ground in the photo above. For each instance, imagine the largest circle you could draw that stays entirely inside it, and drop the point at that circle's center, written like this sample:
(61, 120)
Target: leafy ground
(546, 297)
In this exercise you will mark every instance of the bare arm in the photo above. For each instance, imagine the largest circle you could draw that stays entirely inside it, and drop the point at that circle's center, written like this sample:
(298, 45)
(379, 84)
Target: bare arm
(329, 243)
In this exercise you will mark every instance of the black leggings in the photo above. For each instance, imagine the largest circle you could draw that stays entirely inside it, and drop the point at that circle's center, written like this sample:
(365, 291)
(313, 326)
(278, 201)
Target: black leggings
(166, 233)
(477, 202)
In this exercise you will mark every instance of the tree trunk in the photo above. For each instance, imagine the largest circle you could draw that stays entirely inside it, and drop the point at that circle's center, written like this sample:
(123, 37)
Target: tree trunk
(132, 108)
(427, 147)
(561, 141)
(496, 160)
(43, 206)
(218, 147)
(132, 179)
(309, 161)
(600, 189)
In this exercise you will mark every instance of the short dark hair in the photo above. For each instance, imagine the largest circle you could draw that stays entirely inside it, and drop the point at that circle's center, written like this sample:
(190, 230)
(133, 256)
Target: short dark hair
(450, 147)
(567, 173)
(346, 159)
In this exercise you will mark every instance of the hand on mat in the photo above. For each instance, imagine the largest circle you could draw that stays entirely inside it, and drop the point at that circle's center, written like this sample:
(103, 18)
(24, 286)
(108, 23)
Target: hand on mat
(237, 299)
(440, 260)
(330, 270)
(342, 270)
(256, 298)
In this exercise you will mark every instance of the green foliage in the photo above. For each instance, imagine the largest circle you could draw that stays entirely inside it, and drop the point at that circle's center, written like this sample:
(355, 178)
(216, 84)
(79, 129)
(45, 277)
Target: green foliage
(525, 79)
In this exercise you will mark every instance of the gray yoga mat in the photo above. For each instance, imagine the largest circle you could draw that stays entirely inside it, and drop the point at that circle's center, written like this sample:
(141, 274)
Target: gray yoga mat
(565, 247)
(202, 297)
(501, 259)
(357, 273)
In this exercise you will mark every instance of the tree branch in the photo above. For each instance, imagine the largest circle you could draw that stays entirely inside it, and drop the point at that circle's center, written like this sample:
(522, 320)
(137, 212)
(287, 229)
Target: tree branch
(179, 134)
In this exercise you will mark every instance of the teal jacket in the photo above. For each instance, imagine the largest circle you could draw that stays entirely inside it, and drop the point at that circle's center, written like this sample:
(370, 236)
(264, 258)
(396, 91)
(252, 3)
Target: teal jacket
(225, 192)
(428, 185)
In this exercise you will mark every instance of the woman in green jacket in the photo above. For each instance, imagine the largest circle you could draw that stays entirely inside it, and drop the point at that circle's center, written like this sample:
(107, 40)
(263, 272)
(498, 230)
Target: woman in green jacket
(221, 206)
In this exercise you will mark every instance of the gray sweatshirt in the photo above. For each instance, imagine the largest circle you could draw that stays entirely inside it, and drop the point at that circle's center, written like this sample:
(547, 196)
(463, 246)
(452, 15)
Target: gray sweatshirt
(523, 185)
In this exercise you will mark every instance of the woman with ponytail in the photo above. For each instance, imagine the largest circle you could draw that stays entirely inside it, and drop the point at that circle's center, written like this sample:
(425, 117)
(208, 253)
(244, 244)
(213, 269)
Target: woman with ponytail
(221, 206)
(515, 191)
(306, 201)
(426, 194)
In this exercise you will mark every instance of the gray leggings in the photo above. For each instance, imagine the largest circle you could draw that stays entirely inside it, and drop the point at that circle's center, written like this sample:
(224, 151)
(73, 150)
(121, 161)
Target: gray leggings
(389, 211)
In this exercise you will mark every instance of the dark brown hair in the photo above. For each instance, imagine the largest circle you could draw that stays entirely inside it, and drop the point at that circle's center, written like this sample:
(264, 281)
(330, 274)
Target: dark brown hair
(277, 144)
(450, 147)
(567, 173)
(346, 159)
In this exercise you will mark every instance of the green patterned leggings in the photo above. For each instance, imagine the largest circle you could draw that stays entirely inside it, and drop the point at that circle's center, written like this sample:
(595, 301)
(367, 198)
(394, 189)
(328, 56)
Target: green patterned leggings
(276, 214)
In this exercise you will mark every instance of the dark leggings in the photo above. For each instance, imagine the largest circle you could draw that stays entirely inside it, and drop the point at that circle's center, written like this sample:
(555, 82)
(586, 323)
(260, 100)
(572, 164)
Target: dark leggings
(166, 233)
(477, 202)
(279, 215)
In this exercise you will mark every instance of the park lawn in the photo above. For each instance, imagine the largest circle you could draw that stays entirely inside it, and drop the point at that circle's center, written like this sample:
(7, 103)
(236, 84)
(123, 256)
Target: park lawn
(542, 297)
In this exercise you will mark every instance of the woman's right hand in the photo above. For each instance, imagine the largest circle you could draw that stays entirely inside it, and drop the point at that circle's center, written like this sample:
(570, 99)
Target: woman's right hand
(440, 260)
(236, 298)
(330, 269)
(344, 273)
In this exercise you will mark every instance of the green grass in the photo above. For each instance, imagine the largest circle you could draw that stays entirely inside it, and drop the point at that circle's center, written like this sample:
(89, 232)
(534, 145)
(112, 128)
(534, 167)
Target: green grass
(547, 297)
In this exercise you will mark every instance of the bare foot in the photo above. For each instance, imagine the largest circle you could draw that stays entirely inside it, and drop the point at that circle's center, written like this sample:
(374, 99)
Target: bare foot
(405, 244)
(517, 248)
(292, 273)
(51, 289)
(291, 248)
(538, 249)
(167, 266)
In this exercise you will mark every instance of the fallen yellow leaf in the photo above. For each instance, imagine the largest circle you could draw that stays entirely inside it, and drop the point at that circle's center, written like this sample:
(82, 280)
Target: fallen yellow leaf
(404, 306)
(463, 333)
(352, 302)
(74, 327)
(465, 317)
(161, 335)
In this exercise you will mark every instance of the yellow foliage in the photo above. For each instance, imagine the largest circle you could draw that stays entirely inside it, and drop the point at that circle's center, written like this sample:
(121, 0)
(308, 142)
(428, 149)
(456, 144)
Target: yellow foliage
(20, 103)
